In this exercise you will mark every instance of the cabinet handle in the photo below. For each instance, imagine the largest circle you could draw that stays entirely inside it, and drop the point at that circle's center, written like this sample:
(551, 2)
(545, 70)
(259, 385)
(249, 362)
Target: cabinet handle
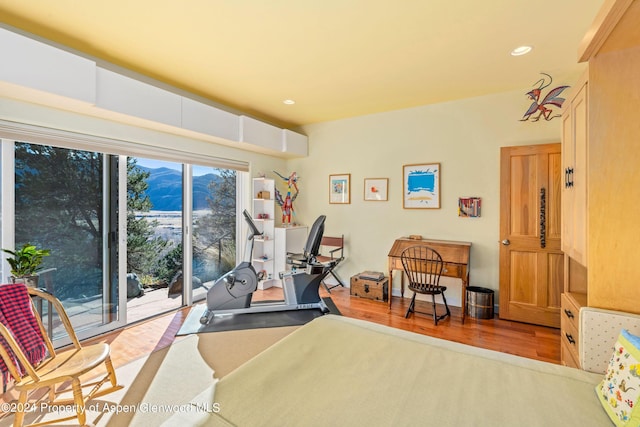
(570, 338)
(568, 313)
(543, 218)
(566, 177)
(570, 172)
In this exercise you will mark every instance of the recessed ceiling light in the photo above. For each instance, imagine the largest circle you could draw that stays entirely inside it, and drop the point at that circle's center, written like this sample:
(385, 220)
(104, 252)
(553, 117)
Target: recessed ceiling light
(521, 50)
(289, 101)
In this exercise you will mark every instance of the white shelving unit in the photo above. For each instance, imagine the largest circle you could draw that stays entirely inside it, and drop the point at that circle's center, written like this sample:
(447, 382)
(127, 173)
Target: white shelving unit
(288, 239)
(264, 217)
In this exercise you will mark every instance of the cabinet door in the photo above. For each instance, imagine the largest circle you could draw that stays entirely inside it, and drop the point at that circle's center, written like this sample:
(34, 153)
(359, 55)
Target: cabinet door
(579, 176)
(568, 159)
(574, 157)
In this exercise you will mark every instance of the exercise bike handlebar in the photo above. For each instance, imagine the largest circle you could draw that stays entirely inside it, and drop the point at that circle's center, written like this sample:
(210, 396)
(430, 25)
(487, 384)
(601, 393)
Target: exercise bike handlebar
(253, 231)
(252, 225)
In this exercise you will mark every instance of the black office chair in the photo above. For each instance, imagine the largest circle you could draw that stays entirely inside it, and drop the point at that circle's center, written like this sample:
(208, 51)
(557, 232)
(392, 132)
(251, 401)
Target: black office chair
(423, 266)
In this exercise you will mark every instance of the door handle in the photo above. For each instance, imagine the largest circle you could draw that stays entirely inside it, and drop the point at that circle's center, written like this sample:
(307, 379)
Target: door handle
(506, 242)
(543, 218)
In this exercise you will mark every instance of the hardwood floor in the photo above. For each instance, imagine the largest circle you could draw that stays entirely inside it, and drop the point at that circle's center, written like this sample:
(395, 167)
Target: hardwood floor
(535, 342)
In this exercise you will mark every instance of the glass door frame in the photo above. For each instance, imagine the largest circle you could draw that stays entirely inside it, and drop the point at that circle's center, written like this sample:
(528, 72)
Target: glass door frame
(11, 132)
(7, 240)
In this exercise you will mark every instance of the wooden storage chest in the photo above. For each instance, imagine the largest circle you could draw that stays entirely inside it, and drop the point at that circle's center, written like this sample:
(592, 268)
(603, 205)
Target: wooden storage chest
(377, 290)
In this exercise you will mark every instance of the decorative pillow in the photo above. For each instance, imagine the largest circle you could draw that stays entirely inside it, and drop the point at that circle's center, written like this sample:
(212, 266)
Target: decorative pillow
(619, 391)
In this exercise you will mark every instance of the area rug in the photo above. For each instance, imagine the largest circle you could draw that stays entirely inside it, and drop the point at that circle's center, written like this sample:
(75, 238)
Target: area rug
(162, 383)
(234, 322)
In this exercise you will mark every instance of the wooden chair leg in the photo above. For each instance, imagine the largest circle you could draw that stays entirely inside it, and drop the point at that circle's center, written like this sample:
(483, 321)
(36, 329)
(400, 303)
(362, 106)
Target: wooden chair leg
(79, 401)
(411, 308)
(437, 318)
(435, 314)
(22, 403)
(111, 371)
(446, 306)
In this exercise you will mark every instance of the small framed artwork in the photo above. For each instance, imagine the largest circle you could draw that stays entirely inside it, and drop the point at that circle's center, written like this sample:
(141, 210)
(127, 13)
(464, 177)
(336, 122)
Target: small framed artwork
(376, 189)
(340, 188)
(421, 186)
(469, 207)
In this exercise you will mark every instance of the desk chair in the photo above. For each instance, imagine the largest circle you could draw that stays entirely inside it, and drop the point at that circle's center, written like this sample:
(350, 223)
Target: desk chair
(423, 266)
(335, 247)
(29, 357)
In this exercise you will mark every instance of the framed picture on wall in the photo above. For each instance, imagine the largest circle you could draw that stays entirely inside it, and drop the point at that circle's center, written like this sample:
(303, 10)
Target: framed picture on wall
(469, 207)
(376, 189)
(421, 186)
(340, 188)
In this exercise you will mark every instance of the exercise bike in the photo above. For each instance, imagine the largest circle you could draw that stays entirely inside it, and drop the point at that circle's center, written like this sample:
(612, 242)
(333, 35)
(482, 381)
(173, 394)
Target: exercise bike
(232, 293)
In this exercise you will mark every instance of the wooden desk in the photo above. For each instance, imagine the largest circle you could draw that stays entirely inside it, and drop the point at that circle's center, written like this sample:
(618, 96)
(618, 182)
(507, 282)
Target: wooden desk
(455, 255)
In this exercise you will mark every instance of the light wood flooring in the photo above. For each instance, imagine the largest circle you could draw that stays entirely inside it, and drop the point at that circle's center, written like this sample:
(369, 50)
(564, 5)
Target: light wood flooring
(535, 342)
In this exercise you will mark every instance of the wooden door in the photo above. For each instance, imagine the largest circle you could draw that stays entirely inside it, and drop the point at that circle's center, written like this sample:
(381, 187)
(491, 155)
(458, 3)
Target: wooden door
(531, 261)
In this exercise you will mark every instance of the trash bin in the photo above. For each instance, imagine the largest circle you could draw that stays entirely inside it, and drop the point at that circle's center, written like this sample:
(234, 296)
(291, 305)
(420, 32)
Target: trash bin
(480, 302)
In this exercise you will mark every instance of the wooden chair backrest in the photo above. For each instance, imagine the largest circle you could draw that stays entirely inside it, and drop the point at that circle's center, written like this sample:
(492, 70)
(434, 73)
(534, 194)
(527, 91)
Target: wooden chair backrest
(423, 266)
(15, 347)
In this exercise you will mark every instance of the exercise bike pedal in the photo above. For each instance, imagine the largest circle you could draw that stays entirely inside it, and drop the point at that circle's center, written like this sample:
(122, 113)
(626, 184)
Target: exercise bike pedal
(206, 317)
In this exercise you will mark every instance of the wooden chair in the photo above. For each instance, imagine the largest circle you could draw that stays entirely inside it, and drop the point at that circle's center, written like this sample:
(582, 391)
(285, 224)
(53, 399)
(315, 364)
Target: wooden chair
(335, 253)
(423, 266)
(57, 368)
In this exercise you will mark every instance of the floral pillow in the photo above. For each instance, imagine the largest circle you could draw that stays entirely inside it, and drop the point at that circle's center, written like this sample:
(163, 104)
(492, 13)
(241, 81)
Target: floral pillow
(619, 391)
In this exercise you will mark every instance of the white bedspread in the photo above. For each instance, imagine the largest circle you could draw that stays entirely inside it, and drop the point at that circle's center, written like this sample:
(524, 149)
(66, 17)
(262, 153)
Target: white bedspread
(341, 371)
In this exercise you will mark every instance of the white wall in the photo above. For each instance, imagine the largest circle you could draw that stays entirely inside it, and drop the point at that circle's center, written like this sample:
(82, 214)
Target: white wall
(463, 136)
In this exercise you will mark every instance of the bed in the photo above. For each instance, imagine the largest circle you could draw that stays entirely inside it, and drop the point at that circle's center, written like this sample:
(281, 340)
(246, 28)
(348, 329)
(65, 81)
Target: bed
(338, 370)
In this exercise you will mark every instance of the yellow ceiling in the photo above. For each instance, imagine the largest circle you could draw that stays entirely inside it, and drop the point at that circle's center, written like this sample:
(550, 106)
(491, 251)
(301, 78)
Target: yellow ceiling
(335, 58)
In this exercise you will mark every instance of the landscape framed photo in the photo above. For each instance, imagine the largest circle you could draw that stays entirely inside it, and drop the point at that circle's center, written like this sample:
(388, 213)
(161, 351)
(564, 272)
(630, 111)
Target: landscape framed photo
(340, 188)
(376, 189)
(421, 186)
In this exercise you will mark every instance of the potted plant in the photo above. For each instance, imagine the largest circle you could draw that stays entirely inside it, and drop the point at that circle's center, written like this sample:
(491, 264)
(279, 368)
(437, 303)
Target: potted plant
(25, 262)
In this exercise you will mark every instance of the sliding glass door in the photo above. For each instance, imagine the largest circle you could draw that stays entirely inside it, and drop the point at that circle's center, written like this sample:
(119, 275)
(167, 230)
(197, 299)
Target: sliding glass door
(162, 222)
(130, 236)
(61, 204)
(213, 241)
(155, 281)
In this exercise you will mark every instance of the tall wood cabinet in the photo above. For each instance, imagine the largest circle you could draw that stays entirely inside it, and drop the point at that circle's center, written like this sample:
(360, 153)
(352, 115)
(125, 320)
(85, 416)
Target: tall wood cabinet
(575, 149)
(600, 226)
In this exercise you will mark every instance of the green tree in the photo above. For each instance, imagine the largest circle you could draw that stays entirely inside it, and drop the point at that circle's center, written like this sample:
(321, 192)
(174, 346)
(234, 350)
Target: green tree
(214, 233)
(143, 248)
(170, 264)
(59, 203)
(222, 201)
